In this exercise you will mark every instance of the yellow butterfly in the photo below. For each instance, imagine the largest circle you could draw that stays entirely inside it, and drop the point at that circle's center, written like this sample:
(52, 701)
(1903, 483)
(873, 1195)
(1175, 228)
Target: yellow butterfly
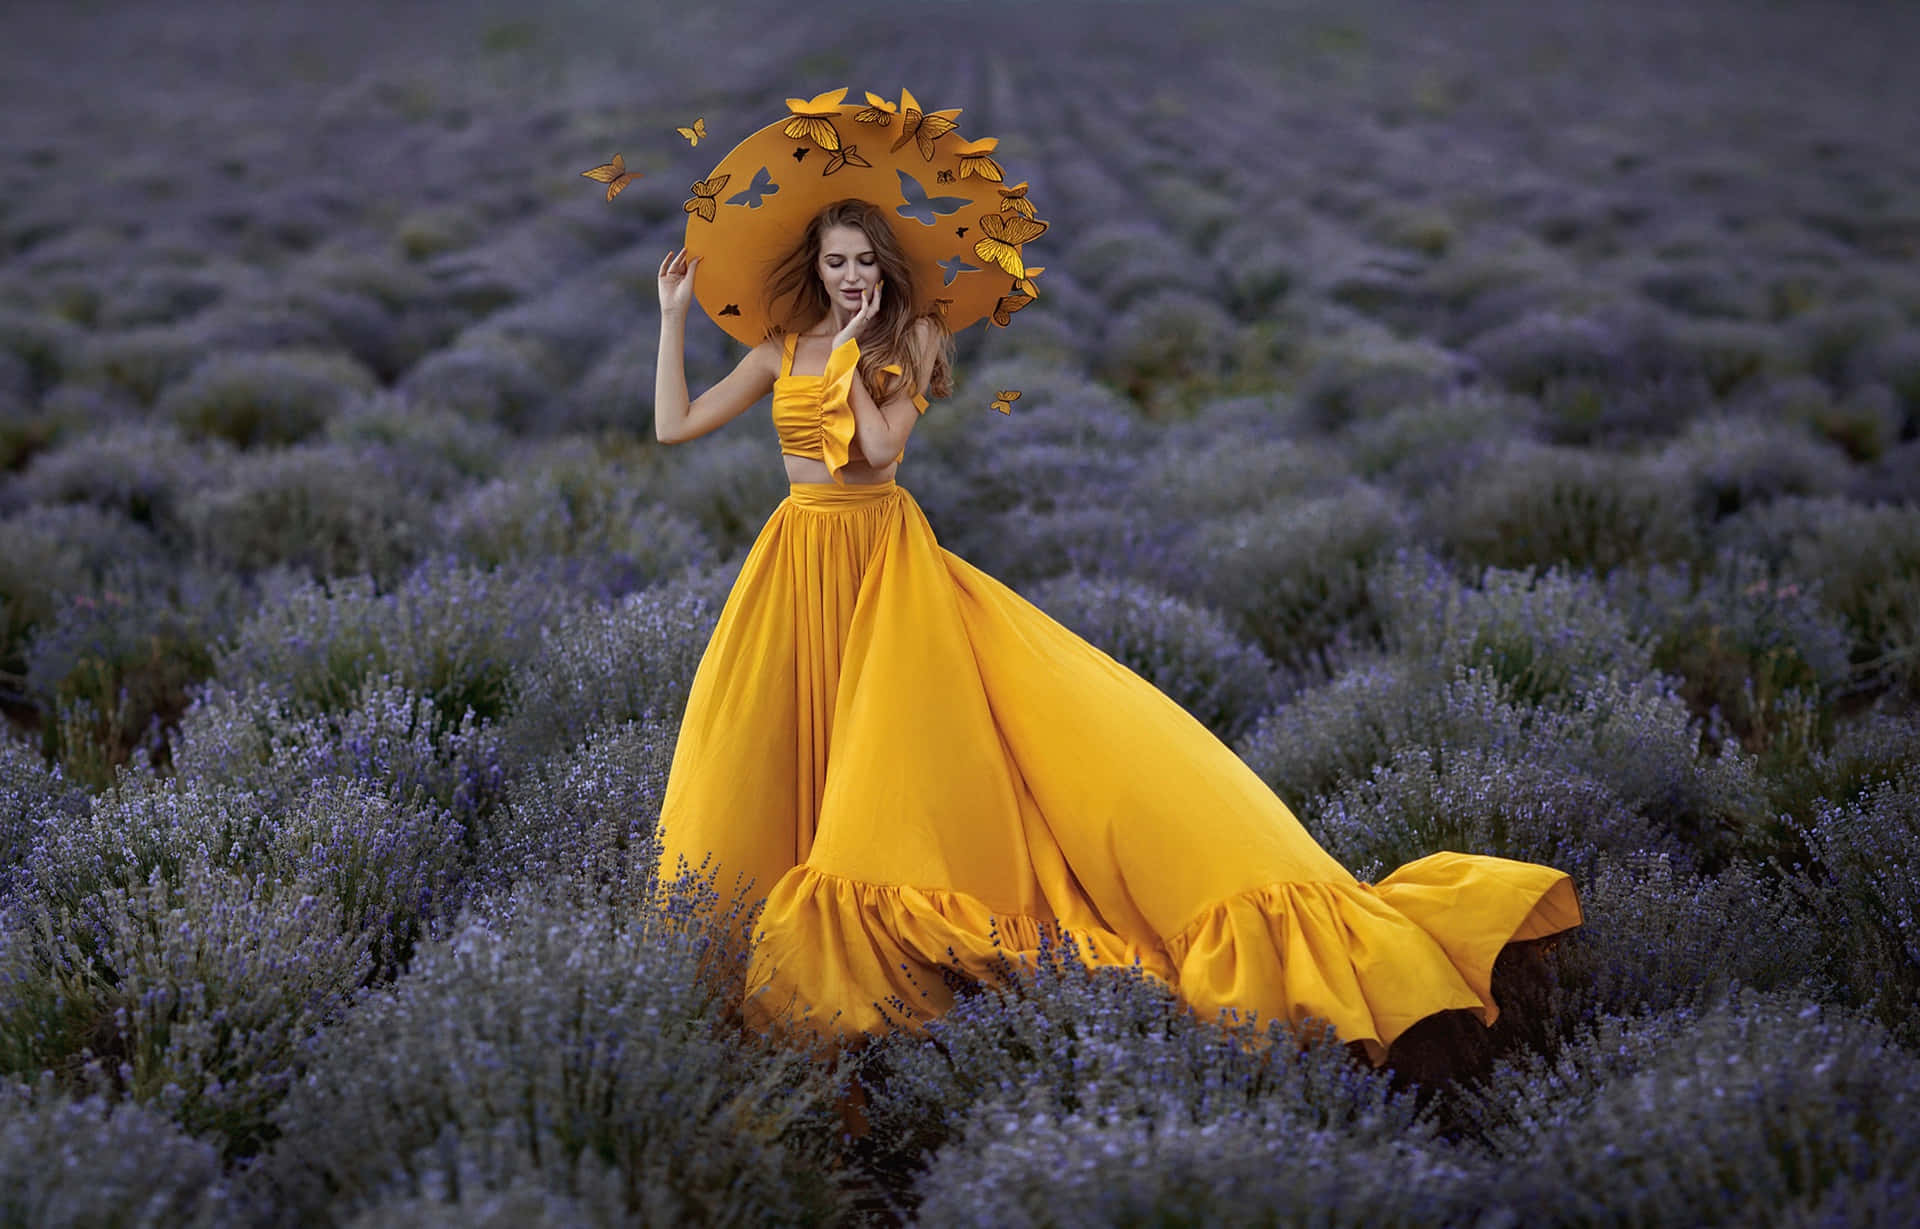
(976, 159)
(613, 174)
(1005, 233)
(846, 156)
(1004, 399)
(1025, 285)
(923, 128)
(694, 133)
(877, 111)
(813, 117)
(1009, 304)
(704, 191)
(1014, 200)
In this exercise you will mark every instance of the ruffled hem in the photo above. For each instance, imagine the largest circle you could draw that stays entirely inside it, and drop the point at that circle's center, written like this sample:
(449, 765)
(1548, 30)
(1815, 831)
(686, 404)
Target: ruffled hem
(836, 407)
(1367, 960)
(873, 956)
(1371, 959)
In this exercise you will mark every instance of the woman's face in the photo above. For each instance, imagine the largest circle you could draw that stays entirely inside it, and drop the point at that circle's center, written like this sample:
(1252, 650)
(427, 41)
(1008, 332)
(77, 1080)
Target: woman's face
(847, 265)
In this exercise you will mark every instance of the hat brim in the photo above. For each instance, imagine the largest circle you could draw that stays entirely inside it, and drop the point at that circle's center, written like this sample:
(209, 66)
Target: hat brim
(763, 194)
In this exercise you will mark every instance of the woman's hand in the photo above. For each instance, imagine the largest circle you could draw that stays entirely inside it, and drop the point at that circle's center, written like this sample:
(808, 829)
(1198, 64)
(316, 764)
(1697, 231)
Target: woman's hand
(869, 306)
(676, 283)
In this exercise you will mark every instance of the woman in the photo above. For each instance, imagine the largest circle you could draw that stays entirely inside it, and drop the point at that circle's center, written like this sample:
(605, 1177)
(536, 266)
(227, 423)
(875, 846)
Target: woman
(920, 770)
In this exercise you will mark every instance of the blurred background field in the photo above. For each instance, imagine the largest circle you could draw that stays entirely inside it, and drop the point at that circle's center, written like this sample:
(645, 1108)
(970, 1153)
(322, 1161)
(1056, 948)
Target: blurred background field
(1500, 422)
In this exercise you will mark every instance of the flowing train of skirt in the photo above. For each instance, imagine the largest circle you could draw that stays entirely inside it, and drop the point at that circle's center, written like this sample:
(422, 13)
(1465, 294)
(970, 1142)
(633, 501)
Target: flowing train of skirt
(919, 768)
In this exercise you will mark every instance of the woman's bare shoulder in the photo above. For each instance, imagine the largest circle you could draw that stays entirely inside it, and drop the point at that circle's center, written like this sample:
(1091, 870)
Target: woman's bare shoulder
(765, 356)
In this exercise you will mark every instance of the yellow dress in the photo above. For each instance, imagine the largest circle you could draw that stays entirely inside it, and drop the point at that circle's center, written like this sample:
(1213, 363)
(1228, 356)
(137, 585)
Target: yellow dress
(910, 761)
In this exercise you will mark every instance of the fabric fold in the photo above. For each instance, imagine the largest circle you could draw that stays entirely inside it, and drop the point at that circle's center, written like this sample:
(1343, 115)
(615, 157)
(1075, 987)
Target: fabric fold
(880, 956)
(836, 407)
(1371, 959)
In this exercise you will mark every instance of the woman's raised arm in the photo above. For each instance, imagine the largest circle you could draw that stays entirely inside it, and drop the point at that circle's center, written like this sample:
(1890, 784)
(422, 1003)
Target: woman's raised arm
(675, 419)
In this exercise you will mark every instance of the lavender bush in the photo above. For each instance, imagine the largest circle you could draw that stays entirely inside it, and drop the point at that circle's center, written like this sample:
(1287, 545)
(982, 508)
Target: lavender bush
(1757, 1110)
(1293, 574)
(95, 1161)
(262, 399)
(451, 633)
(551, 1040)
(632, 660)
(1865, 897)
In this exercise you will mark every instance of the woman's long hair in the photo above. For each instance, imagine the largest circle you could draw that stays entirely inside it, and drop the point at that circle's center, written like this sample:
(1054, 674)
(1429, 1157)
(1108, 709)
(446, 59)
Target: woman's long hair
(796, 299)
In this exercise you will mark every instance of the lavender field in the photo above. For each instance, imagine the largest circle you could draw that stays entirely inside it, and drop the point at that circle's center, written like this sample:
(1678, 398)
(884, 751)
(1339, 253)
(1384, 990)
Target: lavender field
(1500, 423)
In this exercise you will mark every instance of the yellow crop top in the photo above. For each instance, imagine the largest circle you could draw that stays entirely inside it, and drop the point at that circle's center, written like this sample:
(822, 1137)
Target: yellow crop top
(812, 415)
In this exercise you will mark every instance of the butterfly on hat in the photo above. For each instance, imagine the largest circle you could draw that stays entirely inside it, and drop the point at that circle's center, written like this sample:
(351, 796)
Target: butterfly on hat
(1005, 233)
(923, 128)
(976, 159)
(706, 193)
(813, 118)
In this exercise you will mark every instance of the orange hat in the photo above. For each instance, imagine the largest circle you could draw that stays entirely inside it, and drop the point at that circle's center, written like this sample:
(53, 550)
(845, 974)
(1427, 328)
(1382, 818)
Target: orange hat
(960, 224)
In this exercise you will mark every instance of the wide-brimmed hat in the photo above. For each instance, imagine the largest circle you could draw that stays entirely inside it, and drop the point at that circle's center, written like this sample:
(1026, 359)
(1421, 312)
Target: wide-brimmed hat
(961, 225)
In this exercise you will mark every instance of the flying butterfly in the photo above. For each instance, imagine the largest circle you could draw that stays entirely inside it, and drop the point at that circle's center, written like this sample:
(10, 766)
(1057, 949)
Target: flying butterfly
(877, 111)
(1025, 286)
(731, 309)
(1014, 200)
(799, 153)
(976, 158)
(1003, 399)
(1005, 233)
(1009, 304)
(923, 128)
(813, 118)
(705, 192)
(694, 133)
(848, 155)
(613, 174)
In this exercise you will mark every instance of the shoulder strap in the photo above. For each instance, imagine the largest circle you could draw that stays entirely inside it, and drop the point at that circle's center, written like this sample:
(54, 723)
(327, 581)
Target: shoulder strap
(787, 347)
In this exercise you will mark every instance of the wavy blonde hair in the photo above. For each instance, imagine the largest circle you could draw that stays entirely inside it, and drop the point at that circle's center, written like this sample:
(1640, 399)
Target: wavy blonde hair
(796, 300)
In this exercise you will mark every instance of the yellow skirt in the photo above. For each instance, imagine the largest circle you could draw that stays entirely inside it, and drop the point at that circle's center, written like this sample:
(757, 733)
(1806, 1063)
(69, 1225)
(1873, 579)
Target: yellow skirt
(920, 769)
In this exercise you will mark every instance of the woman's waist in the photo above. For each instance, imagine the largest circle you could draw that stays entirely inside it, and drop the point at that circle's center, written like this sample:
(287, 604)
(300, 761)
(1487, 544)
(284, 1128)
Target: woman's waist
(840, 494)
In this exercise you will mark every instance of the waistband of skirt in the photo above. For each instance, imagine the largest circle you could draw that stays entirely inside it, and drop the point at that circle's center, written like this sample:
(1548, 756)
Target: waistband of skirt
(839, 495)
